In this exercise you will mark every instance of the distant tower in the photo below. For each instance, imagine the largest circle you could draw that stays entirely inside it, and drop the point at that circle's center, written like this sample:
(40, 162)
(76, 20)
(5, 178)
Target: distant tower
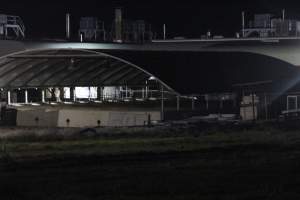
(68, 26)
(118, 25)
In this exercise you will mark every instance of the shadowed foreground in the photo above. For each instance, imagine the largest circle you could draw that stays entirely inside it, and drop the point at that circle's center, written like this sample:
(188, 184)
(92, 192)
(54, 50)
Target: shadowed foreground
(247, 165)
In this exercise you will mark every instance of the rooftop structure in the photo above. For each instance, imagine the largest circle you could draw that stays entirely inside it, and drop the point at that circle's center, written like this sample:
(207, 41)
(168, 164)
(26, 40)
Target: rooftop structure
(91, 30)
(11, 27)
(268, 25)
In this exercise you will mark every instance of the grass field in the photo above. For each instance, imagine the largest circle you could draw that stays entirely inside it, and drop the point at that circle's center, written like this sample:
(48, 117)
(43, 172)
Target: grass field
(244, 164)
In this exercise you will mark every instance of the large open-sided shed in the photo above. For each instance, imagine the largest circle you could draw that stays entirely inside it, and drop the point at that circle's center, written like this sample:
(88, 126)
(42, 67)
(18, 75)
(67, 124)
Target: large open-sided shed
(183, 72)
(69, 68)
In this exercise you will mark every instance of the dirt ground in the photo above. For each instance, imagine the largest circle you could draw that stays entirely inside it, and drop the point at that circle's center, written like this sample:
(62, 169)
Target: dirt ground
(241, 165)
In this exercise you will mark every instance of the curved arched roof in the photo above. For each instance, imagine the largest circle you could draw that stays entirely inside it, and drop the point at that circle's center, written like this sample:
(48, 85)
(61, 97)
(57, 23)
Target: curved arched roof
(69, 67)
(191, 72)
(182, 72)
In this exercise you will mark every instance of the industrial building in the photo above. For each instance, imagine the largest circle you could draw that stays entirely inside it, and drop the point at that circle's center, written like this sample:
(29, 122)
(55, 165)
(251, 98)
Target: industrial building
(65, 84)
(45, 86)
(80, 84)
(121, 31)
(91, 29)
(130, 31)
(268, 25)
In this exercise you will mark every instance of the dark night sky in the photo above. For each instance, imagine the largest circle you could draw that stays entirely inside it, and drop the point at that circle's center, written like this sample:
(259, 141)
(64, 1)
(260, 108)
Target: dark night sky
(45, 19)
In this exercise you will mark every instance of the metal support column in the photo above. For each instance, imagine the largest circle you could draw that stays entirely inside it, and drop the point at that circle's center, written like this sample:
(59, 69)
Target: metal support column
(26, 96)
(221, 106)
(143, 93)
(100, 93)
(266, 106)
(53, 96)
(207, 102)
(162, 108)
(8, 97)
(73, 94)
(57, 95)
(178, 103)
(61, 94)
(243, 24)
(126, 91)
(43, 96)
(253, 107)
(193, 103)
(89, 94)
(147, 90)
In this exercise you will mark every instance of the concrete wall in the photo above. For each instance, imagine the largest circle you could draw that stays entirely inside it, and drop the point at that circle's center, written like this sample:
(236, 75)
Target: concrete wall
(82, 118)
(90, 118)
(37, 117)
(131, 118)
(247, 114)
(66, 117)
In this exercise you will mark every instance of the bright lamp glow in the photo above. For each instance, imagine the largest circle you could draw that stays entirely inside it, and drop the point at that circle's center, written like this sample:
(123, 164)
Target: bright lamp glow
(152, 78)
(86, 92)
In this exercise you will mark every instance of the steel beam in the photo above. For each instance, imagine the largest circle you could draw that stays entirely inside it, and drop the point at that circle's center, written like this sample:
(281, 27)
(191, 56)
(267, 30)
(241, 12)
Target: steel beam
(43, 70)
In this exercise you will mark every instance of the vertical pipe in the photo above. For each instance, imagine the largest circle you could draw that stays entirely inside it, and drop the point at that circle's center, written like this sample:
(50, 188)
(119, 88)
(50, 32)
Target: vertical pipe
(121, 93)
(104, 33)
(118, 25)
(89, 94)
(193, 103)
(266, 106)
(68, 26)
(207, 102)
(8, 97)
(81, 37)
(164, 30)
(243, 24)
(61, 94)
(43, 96)
(162, 108)
(178, 103)
(287, 104)
(283, 14)
(242, 105)
(147, 90)
(74, 94)
(253, 107)
(221, 104)
(99, 93)
(26, 96)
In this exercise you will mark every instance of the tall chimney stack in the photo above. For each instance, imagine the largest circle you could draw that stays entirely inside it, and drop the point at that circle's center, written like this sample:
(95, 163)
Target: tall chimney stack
(68, 26)
(283, 14)
(243, 24)
(118, 25)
